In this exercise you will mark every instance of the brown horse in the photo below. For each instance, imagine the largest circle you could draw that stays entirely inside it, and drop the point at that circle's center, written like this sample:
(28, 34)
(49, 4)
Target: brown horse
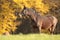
(47, 22)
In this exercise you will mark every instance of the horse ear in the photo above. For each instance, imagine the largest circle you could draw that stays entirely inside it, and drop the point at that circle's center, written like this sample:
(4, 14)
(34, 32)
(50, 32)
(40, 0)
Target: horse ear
(25, 7)
(23, 10)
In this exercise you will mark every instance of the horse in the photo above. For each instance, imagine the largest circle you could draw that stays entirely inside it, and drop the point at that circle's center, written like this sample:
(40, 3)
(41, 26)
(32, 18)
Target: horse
(47, 22)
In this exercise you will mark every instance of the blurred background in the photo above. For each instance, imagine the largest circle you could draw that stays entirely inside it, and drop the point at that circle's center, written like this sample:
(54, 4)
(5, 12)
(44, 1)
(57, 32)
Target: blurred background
(13, 22)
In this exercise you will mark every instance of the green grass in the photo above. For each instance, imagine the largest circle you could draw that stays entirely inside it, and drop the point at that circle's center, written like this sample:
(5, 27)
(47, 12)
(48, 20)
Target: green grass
(30, 37)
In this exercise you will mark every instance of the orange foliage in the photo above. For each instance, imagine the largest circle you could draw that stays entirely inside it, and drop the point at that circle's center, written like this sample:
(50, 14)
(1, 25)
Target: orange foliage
(37, 4)
(7, 17)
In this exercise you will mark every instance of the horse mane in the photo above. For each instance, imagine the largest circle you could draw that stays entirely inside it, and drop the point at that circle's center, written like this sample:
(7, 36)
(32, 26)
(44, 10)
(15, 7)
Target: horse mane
(33, 11)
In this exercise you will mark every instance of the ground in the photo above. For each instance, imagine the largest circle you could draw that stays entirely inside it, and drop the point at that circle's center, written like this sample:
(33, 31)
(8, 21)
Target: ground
(31, 37)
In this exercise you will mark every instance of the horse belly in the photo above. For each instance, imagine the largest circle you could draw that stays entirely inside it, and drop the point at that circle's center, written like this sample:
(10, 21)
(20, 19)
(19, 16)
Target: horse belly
(46, 24)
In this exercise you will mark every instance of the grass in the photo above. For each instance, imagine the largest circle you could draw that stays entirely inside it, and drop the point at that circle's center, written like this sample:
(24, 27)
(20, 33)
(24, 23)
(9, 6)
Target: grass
(30, 37)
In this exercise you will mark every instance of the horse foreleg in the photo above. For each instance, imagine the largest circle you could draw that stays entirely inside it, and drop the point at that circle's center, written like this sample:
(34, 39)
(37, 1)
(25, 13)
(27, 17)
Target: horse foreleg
(40, 29)
(40, 26)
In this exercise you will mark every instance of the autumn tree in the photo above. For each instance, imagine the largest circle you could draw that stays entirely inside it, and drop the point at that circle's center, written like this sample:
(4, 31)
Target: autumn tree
(10, 9)
(7, 16)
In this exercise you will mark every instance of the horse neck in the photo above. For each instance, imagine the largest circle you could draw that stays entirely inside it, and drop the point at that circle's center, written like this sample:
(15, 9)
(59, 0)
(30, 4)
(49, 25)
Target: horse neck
(34, 16)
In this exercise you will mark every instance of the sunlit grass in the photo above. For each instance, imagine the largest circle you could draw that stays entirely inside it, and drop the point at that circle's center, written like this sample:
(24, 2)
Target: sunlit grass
(30, 37)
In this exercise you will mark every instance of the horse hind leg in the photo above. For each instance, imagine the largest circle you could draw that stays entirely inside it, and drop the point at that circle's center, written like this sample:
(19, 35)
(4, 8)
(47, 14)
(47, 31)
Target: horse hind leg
(53, 26)
(50, 29)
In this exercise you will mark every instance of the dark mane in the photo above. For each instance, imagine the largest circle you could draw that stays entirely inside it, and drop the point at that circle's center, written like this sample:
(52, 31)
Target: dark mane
(33, 11)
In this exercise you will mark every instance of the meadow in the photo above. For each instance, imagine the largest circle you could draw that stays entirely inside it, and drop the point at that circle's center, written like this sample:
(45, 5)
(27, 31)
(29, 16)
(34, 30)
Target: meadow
(30, 37)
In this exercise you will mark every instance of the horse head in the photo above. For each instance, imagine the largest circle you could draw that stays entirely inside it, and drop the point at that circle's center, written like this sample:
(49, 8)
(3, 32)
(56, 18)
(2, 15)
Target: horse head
(28, 11)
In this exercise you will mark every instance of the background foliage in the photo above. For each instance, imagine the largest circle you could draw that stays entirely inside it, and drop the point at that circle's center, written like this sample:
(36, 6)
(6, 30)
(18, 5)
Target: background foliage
(10, 9)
